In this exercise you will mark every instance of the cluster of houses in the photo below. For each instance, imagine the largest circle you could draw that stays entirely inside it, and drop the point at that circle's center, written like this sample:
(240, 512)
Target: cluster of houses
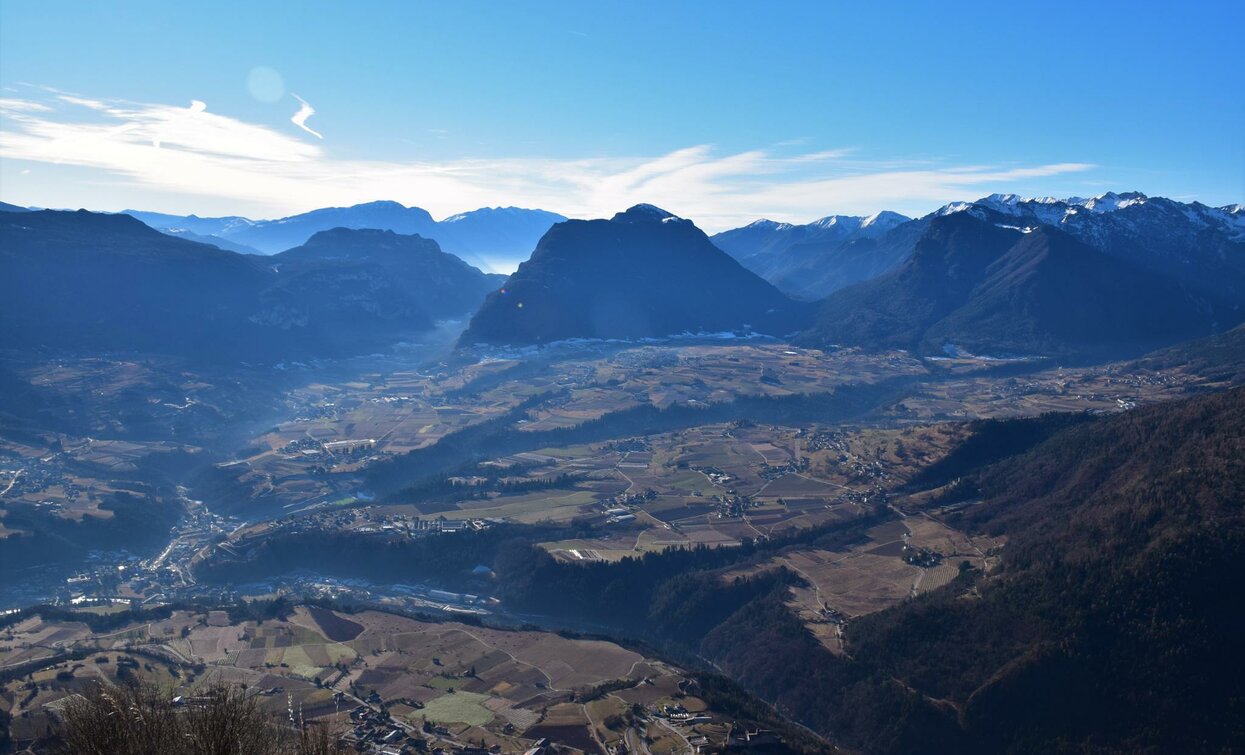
(366, 522)
(634, 499)
(774, 471)
(922, 557)
(25, 476)
(375, 732)
(733, 506)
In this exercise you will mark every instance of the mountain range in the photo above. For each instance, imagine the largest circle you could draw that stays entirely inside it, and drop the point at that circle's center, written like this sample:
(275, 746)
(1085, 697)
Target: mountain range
(972, 286)
(1196, 244)
(82, 280)
(643, 273)
(1113, 276)
(814, 260)
(501, 233)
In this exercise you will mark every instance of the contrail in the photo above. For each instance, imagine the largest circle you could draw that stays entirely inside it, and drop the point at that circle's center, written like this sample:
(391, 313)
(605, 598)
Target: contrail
(300, 118)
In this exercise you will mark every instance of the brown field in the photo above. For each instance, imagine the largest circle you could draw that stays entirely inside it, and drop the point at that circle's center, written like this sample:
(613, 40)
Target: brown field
(521, 679)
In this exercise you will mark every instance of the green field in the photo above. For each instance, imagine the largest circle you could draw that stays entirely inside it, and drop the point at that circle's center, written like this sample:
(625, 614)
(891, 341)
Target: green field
(457, 707)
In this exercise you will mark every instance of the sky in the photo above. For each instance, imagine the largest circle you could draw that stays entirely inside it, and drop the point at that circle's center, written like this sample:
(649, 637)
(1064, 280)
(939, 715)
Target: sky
(721, 112)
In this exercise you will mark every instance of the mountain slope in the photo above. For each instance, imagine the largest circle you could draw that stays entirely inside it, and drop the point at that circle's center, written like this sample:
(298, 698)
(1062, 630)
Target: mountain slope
(1112, 620)
(643, 273)
(975, 286)
(1219, 358)
(444, 285)
(811, 261)
(814, 270)
(81, 280)
(1110, 625)
(496, 234)
(1201, 246)
(221, 226)
(216, 241)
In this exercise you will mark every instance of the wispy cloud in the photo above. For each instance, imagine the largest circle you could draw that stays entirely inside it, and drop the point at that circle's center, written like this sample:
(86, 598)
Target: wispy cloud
(193, 152)
(18, 105)
(300, 118)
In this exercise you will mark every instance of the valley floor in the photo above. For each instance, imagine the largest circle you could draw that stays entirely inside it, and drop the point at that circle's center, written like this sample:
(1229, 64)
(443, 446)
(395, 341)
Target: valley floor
(598, 452)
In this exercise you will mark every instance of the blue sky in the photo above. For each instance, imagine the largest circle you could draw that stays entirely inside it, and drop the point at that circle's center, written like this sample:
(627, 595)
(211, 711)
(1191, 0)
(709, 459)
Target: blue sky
(722, 112)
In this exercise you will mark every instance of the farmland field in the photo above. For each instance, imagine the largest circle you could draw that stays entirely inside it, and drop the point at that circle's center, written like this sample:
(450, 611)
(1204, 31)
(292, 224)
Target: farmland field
(505, 686)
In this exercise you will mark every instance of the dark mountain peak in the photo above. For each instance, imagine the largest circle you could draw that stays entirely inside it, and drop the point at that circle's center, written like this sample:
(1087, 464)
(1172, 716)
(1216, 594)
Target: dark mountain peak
(644, 213)
(645, 273)
(6, 207)
(443, 284)
(961, 236)
(360, 243)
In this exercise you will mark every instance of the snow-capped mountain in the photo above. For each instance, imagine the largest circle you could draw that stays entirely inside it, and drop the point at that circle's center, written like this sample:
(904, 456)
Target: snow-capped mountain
(987, 287)
(810, 261)
(1051, 211)
(768, 236)
(1200, 246)
(222, 226)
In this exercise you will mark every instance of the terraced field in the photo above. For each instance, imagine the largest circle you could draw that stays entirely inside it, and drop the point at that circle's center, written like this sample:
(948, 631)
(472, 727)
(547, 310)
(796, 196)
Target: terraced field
(506, 687)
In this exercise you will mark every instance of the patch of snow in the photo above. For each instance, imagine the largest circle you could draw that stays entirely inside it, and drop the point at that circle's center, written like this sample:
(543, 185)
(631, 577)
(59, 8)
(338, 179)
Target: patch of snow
(883, 221)
(1110, 202)
(955, 207)
(837, 222)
